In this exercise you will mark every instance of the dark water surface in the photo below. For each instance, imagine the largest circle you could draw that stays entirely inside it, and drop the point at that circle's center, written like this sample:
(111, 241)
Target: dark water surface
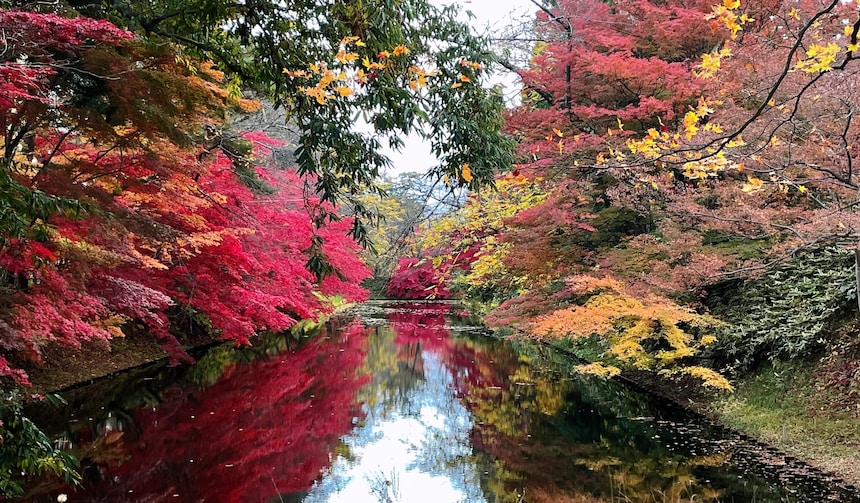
(404, 403)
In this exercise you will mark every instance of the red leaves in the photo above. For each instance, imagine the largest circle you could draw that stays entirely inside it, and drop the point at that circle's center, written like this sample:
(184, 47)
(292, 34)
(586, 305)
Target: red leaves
(55, 33)
(417, 279)
(167, 224)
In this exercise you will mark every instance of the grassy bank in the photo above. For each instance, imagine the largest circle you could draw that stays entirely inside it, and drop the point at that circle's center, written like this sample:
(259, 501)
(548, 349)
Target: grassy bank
(791, 407)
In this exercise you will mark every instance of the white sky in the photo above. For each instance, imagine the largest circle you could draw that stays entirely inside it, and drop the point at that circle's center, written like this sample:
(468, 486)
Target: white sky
(489, 14)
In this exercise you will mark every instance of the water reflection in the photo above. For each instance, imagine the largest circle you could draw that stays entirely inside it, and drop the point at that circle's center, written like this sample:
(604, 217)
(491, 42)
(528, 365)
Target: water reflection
(415, 441)
(406, 403)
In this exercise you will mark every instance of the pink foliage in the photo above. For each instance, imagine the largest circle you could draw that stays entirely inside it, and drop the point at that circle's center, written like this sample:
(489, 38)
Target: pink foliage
(417, 279)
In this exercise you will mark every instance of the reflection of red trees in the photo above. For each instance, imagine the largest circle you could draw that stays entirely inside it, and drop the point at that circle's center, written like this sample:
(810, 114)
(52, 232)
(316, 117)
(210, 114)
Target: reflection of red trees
(476, 364)
(421, 323)
(266, 425)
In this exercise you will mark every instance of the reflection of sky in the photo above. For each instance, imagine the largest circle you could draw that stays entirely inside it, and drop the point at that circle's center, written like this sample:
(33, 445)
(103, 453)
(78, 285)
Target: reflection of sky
(417, 453)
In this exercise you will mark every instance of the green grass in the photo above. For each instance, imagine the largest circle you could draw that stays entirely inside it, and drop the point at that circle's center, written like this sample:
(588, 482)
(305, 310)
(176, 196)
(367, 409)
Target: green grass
(783, 406)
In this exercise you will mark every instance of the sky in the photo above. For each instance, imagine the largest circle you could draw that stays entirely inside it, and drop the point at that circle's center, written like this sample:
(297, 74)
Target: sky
(488, 14)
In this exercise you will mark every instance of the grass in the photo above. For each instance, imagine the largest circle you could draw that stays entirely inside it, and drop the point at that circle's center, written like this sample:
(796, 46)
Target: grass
(786, 406)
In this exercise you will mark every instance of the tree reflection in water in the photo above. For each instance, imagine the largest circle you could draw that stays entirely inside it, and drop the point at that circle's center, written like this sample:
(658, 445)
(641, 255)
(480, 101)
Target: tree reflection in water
(405, 403)
(263, 431)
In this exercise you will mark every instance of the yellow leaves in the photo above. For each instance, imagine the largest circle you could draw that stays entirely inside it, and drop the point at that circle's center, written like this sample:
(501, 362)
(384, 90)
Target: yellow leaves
(351, 68)
(691, 121)
(794, 14)
(346, 57)
(315, 92)
(725, 13)
(819, 58)
(628, 325)
(703, 107)
(651, 146)
(599, 370)
(372, 65)
(493, 208)
(343, 91)
(557, 132)
(753, 185)
(736, 142)
(713, 127)
(709, 378)
(419, 77)
(345, 41)
(710, 64)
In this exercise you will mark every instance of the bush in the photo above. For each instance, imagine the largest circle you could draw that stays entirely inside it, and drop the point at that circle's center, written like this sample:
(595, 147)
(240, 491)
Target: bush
(25, 450)
(788, 312)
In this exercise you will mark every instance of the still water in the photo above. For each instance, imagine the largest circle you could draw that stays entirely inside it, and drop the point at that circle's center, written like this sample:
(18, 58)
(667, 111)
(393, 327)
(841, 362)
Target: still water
(403, 403)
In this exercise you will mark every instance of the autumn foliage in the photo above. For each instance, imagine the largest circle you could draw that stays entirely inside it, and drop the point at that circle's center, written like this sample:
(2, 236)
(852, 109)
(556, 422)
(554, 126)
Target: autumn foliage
(128, 203)
(674, 147)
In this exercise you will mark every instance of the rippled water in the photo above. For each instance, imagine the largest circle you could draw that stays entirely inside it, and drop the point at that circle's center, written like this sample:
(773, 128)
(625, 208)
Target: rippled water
(404, 403)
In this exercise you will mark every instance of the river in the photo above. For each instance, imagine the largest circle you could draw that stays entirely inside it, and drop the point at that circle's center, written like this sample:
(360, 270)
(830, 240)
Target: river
(403, 403)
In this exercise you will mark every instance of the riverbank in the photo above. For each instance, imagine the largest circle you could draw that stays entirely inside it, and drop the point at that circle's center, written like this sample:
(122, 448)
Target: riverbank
(64, 368)
(790, 407)
(787, 406)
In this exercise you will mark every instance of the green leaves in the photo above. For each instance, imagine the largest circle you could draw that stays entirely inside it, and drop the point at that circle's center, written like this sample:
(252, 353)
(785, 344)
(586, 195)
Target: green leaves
(786, 313)
(270, 45)
(23, 210)
(25, 450)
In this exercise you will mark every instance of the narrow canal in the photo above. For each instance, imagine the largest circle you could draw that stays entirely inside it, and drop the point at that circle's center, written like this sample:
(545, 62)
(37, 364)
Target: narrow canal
(403, 403)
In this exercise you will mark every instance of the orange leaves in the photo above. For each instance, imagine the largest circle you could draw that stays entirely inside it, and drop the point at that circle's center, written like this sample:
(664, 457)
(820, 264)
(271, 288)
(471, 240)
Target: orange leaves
(628, 325)
(461, 79)
(466, 173)
(463, 175)
(339, 79)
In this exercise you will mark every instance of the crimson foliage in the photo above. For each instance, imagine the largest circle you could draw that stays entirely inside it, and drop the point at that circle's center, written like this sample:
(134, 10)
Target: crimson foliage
(124, 203)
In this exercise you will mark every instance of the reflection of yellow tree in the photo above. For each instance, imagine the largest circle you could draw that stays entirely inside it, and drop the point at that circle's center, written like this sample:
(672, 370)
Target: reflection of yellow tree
(500, 409)
(394, 373)
(528, 421)
(659, 480)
